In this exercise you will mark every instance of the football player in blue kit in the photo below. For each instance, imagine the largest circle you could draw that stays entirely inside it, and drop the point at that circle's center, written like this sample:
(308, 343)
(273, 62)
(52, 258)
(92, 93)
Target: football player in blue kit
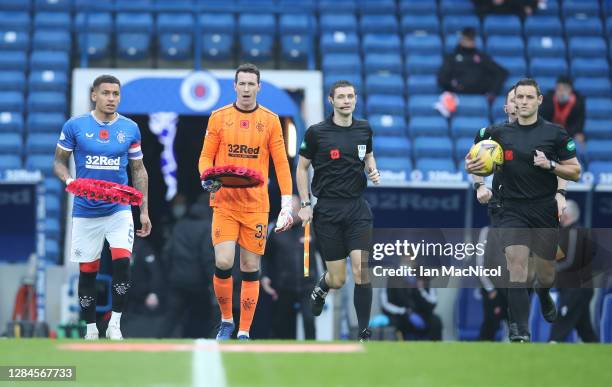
(104, 143)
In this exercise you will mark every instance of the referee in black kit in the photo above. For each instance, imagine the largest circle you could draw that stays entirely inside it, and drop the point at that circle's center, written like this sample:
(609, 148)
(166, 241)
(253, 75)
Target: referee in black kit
(340, 150)
(536, 152)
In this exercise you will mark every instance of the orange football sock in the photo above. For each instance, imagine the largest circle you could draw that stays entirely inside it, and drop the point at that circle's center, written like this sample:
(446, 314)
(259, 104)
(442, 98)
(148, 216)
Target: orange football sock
(223, 292)
(249, 294)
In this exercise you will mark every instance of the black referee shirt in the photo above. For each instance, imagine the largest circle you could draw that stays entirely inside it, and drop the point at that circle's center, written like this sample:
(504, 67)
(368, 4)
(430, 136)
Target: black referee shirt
(520, 178)
(337, 155)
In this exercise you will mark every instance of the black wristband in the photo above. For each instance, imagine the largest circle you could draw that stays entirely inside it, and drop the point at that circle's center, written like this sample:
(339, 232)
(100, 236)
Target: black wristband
(304, 204)
(477, 185)
(562, 192)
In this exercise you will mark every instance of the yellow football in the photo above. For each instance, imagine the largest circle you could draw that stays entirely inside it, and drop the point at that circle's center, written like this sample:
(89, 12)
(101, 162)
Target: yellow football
(490, 153)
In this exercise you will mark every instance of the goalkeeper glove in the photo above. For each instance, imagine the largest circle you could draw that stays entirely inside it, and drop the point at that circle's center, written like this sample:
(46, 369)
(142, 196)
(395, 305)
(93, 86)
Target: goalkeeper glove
(211, 185)
(285, 218)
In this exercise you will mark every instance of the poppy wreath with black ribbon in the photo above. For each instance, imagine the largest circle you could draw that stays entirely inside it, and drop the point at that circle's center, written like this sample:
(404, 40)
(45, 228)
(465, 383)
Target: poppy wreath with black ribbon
(232, 176)
(105, 191)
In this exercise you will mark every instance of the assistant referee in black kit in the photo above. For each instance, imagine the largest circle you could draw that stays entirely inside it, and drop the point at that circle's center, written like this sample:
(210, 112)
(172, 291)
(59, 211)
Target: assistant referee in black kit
(536, 152)
(340, 151)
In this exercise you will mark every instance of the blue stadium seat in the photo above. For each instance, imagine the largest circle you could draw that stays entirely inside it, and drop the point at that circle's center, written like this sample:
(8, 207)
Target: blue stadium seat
(11, 122)
(11, 101)
(44, 163)
(497, 109)
(500, 45)
(133, 46)
(583, 27)
(594, 87)
(502, 25)
(140, 5)
(15, 21)
(422, 64)
(549, 8)
(341, 63)
(599, 168)
(394, 164)
(177, 5)
(13, 60)
(10, 162)
(45, 122)
(52, 206)
(381, 43)
(387, 146)
(45, 40)
(571, 8)
(606, 320)
(339, 42)
(422, 44)
(12, 81)
(257, 48)
(385, 104)
(469, 314)
(379, 24)
(590, 67)
(599, 150)
(338, 22)
(547, 83)
(175, 46)
(370, 7)
(296, 48)
(454, 24)
(462, 147)
(546, 46)
(219, 5)
(428, 126)
(432, 147)
(543, 26)
(41, 143)
(14, 41)
(48, 80)
(420, 24)
(94, 22)
(217, 23)
(297, 24)
(418, 7)
(256, 24)
(456, 7)
(387, 125)
(442, 164)
(52, 5)
(175, 23)
(468, 126)
(134, 23)
(96, 44)
(385, 84)
(217, 47)
(597, 129)
(15, 5)
(609, 25)
(89, 5)
(422, 105)
(53, 185)
(49, 60)
(59, 21)
(516, 65)
(340, 6)
(548, 67)
(383, 63)
(52, 228)
(451, 41)
(289, 6)
(46, 101)
(472, 106)
(422, 84)
(52, 251)
(11, 143)
(587, 47)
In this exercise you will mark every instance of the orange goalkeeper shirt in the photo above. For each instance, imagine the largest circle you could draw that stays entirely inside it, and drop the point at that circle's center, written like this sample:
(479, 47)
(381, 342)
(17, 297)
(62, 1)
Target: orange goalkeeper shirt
(246, 139)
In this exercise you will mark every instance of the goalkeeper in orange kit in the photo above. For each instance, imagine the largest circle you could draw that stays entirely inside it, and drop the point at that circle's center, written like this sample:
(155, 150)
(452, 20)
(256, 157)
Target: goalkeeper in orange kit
(243, 134)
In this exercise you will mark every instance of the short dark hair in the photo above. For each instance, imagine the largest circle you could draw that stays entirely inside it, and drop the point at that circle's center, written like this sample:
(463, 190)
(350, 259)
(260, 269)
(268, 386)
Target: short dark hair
(528, 82)
(105, 78)
(340, 83)
(469, 33)
(247, 68)
(563, 79)
(513, 88)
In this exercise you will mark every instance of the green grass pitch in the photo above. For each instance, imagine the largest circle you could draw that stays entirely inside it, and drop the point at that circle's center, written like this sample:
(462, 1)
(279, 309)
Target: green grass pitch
(414, 364)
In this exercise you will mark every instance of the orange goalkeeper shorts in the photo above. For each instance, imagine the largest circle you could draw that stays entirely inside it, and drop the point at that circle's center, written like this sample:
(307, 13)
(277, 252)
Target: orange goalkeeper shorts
(249, 229)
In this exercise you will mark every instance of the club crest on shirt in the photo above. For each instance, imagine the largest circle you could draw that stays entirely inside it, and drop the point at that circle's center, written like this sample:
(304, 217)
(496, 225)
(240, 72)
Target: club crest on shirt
(260, 126)
(361, 151)
(121, 137)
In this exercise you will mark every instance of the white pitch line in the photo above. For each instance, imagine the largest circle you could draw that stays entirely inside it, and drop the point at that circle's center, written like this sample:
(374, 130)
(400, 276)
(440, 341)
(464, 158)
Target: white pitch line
(207, 368)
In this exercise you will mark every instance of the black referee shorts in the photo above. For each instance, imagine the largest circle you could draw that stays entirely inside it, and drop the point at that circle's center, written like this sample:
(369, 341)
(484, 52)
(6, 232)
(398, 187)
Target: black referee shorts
(532, 223)
(342, 225)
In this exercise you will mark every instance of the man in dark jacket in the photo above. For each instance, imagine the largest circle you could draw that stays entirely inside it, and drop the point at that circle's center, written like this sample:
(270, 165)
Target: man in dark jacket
(469, 71)
(566, 107)
(189, 256)
(521, 8)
